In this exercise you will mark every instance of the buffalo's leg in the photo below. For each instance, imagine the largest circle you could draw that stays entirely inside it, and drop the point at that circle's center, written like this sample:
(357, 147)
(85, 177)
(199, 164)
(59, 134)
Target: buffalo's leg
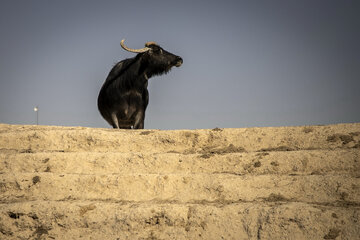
(139, 120)
(115, 122)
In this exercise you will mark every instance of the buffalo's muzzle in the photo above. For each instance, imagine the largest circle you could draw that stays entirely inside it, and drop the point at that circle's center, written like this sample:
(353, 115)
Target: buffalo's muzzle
(179, 61)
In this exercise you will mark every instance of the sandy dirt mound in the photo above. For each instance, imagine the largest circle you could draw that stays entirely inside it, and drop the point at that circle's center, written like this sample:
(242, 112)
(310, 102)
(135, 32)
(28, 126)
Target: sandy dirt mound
(255, 183)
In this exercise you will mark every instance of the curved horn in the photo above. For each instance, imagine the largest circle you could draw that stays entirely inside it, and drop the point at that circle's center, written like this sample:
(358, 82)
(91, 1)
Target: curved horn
(141, 50)
(148, 44)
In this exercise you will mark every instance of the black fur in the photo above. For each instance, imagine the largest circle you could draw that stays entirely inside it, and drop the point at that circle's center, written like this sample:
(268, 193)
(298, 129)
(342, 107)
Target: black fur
(123, 98)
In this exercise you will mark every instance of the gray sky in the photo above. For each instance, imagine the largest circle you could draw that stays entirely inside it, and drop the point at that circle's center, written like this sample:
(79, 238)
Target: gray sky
(246, 63)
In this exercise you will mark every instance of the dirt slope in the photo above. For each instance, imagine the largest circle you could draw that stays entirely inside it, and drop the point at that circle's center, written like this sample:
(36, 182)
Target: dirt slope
(255, 183)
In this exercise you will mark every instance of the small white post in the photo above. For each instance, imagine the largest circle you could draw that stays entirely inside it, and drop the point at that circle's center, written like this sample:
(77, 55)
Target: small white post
(36, 109)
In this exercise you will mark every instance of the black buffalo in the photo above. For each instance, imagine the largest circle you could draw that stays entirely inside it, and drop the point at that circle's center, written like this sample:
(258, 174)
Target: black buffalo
(124, 97)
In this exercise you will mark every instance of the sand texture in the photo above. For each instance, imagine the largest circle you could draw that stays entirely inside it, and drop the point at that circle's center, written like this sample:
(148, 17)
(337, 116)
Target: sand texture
(251, 183)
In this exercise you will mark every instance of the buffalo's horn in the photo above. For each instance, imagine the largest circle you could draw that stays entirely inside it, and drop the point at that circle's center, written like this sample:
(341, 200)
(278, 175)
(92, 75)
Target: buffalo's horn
(148, 44)
(141, 50)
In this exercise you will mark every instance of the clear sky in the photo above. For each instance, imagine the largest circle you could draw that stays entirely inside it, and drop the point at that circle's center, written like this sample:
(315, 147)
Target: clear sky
(246, 63)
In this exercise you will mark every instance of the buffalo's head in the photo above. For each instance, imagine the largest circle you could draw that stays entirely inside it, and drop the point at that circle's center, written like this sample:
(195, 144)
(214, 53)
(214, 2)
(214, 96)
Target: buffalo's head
(156, 59)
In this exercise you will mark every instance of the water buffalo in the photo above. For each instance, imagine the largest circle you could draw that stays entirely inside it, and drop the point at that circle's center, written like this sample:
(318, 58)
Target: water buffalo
(123, 98)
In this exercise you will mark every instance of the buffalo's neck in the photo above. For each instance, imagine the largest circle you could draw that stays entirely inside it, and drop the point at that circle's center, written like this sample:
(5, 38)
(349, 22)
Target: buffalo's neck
(148, 69)
(141, 82)
(139, 78)
(156, 71)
